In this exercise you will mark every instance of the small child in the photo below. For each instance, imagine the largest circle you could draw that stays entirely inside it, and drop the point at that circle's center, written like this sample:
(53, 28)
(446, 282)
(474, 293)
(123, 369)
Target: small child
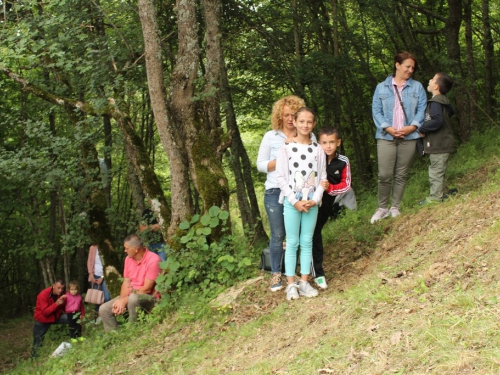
(74, 309)
(437, 134)
(300, 166)
(338, 194)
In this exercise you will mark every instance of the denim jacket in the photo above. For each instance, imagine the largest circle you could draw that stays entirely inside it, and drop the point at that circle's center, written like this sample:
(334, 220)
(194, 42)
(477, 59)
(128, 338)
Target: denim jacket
(414, 102)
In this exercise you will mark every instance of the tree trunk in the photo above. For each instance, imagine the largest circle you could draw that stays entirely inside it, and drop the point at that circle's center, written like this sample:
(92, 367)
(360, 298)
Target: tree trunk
(336, 55)
(242, 169)
(471, 71)
(205, 167)
(489, 84)
(452, 35)
(108, 144)
(298, 50)
(170, 132)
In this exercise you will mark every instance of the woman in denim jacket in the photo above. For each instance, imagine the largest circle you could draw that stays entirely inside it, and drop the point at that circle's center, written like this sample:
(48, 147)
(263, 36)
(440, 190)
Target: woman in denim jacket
(397, 131)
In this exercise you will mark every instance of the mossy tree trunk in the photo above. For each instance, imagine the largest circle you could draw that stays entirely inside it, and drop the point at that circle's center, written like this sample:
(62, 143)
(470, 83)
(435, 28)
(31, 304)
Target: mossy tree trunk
(193, 143)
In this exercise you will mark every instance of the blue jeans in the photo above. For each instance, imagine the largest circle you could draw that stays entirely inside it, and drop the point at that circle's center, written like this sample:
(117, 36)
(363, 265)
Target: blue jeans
(274, 211)
(105, 290)
(158, 248)
(300, 228)
(39, 331)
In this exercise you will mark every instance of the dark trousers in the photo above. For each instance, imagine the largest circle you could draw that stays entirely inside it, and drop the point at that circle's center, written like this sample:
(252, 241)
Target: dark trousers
(75, 328)
(328, 209)
(39, 331)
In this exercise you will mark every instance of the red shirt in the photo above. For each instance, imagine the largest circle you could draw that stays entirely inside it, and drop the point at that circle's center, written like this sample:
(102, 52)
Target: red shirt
(147, 268)
(46, 309)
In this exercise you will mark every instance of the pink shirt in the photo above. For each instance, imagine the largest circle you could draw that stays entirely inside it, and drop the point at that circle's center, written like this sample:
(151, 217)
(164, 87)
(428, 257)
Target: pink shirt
(398, 119)
(74, 304)
(147, 268)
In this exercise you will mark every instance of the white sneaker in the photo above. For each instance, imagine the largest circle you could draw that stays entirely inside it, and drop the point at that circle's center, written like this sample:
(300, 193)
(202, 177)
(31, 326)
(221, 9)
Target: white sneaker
(395, 211)
(306, 290)
(321, 282)
(291, 292)
(380, 214)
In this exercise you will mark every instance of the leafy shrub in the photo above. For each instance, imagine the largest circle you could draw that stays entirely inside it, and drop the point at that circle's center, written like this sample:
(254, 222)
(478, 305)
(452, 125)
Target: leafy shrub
(204, 260)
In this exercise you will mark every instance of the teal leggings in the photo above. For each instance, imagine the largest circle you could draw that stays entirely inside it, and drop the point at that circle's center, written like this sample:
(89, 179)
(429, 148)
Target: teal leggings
(299, 227)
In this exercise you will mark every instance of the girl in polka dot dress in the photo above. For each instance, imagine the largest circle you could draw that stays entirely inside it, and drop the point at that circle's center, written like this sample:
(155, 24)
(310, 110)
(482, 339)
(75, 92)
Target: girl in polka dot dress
(300, 166)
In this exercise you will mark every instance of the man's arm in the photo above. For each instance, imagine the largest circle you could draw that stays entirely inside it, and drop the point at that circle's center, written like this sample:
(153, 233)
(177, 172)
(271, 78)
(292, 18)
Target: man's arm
(147, 288)
(48, 306)
(120, 304)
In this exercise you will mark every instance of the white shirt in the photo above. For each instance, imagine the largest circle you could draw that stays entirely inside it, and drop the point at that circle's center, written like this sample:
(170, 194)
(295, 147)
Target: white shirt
(299, 170)
(268, 151)
(98, 269)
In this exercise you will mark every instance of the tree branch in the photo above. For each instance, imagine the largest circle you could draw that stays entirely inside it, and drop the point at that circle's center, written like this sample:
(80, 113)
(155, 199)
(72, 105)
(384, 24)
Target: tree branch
(425, 11)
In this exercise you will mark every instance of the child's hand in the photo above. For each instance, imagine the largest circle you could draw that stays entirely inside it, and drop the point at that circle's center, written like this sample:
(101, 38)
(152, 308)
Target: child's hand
(301, 206)
(324, 184)
(310, 203)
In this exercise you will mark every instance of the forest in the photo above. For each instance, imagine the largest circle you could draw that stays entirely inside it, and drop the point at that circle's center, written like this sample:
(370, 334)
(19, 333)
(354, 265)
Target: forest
(108, 104)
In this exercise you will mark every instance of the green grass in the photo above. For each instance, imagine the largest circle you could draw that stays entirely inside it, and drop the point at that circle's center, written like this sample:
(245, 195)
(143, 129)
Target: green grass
(412, 295)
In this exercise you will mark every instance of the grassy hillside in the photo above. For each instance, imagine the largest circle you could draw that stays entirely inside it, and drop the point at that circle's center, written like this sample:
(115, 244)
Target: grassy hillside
(412, 295)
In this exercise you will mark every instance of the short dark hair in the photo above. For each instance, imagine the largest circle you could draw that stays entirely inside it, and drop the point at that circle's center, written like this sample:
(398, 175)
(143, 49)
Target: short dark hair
(305, 109)
(329, 130)
(402, 56)
(134, 240)
(444, 82)
(60, 281)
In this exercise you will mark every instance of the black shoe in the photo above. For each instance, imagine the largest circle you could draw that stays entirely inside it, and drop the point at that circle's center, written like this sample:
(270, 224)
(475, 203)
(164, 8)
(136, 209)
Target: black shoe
(450, 192)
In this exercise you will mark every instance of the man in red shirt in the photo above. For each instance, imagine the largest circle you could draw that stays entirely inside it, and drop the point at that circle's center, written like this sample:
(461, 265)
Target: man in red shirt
(138, 287)
(49, 309)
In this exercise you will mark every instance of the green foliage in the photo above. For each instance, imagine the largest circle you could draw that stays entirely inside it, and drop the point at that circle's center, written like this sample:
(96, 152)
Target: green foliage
(202, 262)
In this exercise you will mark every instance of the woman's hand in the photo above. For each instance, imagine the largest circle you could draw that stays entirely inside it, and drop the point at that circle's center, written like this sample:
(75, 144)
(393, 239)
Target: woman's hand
(406, 130)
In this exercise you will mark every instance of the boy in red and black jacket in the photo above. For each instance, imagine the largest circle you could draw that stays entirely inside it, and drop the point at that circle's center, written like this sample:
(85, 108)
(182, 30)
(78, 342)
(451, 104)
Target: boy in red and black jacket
(338, 194)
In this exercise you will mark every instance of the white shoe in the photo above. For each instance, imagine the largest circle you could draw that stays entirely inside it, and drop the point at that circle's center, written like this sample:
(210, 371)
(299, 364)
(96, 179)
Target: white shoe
(380, 214)
(291, 292)
(321, 282)
(395, 211)
(306, 290)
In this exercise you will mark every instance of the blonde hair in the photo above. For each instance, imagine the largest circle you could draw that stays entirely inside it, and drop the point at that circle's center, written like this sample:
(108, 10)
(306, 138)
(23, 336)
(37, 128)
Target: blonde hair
(294, 102)
(74, 283)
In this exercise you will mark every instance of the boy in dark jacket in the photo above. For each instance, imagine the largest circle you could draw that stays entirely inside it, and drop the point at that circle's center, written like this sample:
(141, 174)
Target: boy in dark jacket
(338, 193)
(437, 134)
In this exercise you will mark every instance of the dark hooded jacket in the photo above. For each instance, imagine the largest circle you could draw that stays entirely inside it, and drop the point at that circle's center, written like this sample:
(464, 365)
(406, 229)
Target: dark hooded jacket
(437, 127)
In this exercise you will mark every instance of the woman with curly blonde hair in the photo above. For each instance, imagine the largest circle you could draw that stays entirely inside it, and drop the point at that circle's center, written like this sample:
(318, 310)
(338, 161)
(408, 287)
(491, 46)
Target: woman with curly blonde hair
(282, 124)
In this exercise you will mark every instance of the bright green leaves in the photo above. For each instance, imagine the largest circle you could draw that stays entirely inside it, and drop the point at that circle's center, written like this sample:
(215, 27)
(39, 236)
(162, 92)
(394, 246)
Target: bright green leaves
(205, 257)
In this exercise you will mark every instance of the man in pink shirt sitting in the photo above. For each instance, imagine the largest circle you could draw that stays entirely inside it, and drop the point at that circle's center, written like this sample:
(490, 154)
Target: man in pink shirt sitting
(138, 287)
